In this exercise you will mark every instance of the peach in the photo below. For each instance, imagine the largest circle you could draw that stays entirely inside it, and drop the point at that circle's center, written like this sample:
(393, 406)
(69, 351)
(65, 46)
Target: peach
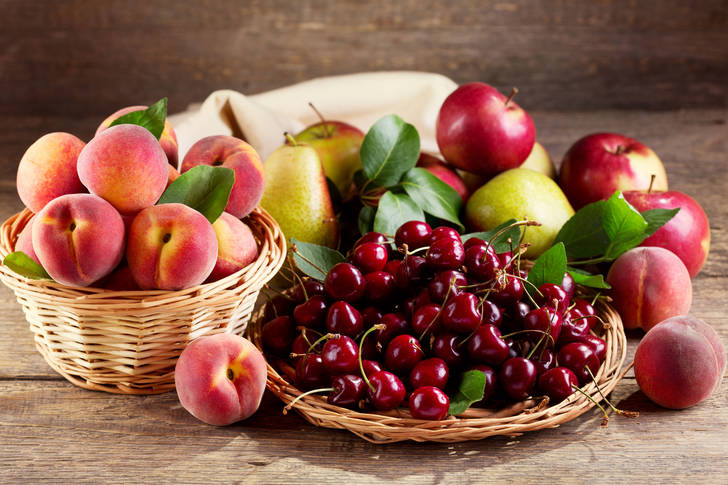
(168, 138)
(231, 152)
(679, 362)
(171, 247)
(172, 175)
(78, 238)
(649, 284)
(24, 242)
(236, 246)
(126, 166)
(48, 170)
(220, 379)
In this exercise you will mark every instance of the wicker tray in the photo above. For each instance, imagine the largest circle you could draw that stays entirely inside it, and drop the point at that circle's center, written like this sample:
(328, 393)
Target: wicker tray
(128, 342)
(475, 423)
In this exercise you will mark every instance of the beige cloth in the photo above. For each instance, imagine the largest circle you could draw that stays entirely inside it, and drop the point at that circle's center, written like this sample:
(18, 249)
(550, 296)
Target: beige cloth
(359, 99)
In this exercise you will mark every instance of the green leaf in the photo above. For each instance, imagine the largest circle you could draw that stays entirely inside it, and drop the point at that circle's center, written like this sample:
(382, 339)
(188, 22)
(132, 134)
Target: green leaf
(585, 278)
(366, 219)
(24, 265)
(315, 260)
(656, 218)
(204, 188)
(433, 195)
(390, 148)
(470, 390)
(624, 225)
(394, 210)
(500, 244)
(583, 234)
(152, 118)
(550, 267)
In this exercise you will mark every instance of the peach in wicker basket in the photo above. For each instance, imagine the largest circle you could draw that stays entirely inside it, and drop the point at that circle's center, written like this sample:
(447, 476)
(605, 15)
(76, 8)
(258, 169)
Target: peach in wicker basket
(128, 341)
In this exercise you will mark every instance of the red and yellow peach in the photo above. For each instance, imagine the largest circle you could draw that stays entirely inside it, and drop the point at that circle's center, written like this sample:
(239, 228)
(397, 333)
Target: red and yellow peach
(236, 246)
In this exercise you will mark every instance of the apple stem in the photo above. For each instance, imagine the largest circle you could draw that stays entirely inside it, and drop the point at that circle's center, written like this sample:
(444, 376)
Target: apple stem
(652, 181)
(514, 91)
(620, 150)
(328, 133)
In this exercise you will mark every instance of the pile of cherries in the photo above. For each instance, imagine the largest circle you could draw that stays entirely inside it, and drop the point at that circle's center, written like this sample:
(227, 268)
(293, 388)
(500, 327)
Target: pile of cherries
(402, 322)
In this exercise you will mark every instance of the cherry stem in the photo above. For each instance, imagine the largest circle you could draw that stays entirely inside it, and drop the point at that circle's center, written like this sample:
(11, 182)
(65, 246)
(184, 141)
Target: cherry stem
(605, 421)
(502, 231)
(596, 297)
(294, 249)
(323, 120)
(514, 91)
(629, 414)
(378, 326)
(290, 139)
(323, 338)
(447, 295)
(652, 181)
(301, 396)
(530, 297)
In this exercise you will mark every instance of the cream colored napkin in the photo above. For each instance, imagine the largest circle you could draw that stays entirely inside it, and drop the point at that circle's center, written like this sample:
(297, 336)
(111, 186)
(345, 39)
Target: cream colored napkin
(359, 99)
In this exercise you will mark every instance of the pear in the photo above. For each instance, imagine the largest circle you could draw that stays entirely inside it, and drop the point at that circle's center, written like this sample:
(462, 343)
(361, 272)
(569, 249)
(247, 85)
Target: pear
(520, 193)
(540, 161)
(297, 197)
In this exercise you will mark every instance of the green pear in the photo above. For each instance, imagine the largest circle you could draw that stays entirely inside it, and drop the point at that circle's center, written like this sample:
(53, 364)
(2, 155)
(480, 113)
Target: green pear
(520, 193)
(540, 161)
(297, 197)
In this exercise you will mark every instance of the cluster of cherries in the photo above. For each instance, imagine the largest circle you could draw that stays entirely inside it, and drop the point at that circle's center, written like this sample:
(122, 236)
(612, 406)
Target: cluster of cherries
(402, 322)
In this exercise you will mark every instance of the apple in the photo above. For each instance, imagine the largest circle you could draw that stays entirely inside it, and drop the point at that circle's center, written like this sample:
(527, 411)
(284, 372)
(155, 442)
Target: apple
(687, 234)
(598, 164)
(337, 144)
(439, 169)
(481, 131)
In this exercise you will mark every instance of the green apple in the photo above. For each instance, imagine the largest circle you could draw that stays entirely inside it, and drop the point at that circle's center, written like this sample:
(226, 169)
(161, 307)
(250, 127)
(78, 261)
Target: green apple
(520, 193)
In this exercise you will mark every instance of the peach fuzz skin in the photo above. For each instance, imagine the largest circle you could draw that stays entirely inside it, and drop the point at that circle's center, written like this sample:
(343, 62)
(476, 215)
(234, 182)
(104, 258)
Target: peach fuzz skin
(649, 284)
(24, 242)
(220, 379)
(170, 247)
(126, 166)
(78, 238)
(236, 246)
(48, 170)
(233, 153)
(168, 138)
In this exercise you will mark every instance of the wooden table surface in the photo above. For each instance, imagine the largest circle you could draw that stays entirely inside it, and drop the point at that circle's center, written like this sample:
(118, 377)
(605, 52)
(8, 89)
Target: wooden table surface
(51, 430)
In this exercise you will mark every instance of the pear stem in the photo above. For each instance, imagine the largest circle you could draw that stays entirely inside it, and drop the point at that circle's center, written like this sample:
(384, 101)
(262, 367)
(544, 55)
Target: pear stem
(514, 91)
(290, 139)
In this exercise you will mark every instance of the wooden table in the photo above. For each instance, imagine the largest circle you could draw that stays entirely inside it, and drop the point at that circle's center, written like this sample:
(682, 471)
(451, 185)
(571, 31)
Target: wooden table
(51, 430)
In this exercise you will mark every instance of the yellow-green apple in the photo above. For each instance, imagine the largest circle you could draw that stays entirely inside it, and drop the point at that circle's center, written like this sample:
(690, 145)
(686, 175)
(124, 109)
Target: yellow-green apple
(168, 138)
(126, 166)
(687, 234)
(233, 153)
(78, 238)
(48, 170)
(337, 144)
(170, 247)
(598, 164)
(481, 131)
(440, 170)
(24, 242)
(517, 194)
(236, 246)
(220, 378)
(649, 284)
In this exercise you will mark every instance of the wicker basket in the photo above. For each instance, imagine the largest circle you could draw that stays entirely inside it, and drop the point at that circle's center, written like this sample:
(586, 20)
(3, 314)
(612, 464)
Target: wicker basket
(475, 423)
(128, 342)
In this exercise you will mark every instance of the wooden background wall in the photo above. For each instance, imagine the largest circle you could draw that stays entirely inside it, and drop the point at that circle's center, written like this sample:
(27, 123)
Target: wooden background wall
(89, 57)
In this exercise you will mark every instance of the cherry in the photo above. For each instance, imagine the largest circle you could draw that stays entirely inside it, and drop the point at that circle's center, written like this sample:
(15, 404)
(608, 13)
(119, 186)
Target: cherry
(310, 372)
(491, 380)
(585, 309)
(380, 287)
(340, 355)
(553, 296)
(415, 234)
(426, 319)
(402, 353)
(395, 324)
(411, 272)
(370, 349)
(447, 347)
(444, 232)
(505, 259)
(598, 345)
(486, 346)
(513, 318)
(507, 291)
(385, 391)
(312, 288)
(348, 390)
(278, 335)
(579, 356)
(371, 315)
(278, 306)
(411, 304)
(429, 402)
(573, 329)
(491, 313)
(370, 366)
(344, 319)
(461, 313)
(302, 343)
(369, 257)
(518, 377)
(345, 282)
(568, 285)
(446, 284)
(474, 241)
(429, 372)
(371, 237)
(546, 325)
(392, 266)
(311, 313)
(516, 347)
(557, 383)
(544, 359)
(481, 262)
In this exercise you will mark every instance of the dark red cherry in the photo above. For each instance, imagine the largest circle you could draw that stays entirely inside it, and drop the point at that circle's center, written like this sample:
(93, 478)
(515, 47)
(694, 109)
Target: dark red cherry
(371, 237)
(545, 325)
(598, 345)
(553, 296)
(491, 313)
(370, 349)
(312, 288)
(344, 319)
(481, 262)
(411, 272)
(392, 266)
(369, 257)
(572, 329)
(568, 285)
(388, 392)
(429, 372)
(415, 234)
(380, 287)
(517, 377)
(395, 324)
(345, 282)
(444, 232)
(311, 373)
(278, 335)
(348, 390)
(340, 356)
(461, 313)
(278, 306)
(411, 304)
(403, 352)
(513, 317)
(446, 284)
(544, 359)
(447, 346)
(516, 348)
(505, 258)
(557, 383)
(474, 241)
(586, 310)
(426, 319)
(429, 402)
(491, 380)
(370, 367)
(485, 346)
(371, 315)
(311, 313)
(302, 343)
(579, 356)
(507, 290)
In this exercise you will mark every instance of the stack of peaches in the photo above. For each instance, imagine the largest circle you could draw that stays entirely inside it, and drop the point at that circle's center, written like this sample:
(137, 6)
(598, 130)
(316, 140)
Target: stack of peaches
(97, 219)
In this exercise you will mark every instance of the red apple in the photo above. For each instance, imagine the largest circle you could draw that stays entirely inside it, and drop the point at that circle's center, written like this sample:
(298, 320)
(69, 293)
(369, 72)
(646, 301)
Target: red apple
(687, 234)
(598, 164)
(481, 131)
(438, 168)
